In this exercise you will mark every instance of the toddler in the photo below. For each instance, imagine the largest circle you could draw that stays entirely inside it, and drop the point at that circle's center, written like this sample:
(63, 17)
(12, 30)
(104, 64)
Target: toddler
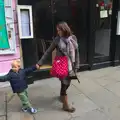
(17, 79)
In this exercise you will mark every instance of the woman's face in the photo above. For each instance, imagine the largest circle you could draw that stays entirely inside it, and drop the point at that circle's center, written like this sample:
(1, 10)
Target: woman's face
(59, 32)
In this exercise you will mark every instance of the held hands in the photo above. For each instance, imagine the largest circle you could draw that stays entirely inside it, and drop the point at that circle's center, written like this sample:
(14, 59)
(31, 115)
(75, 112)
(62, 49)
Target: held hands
(38, 67)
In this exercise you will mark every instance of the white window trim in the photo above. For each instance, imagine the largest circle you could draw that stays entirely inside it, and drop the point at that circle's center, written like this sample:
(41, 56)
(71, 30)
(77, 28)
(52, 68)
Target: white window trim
(25, 7)
(8, 51)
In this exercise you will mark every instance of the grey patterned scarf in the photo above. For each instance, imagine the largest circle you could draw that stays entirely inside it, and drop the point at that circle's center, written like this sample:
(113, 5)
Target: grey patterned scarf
(71, 46)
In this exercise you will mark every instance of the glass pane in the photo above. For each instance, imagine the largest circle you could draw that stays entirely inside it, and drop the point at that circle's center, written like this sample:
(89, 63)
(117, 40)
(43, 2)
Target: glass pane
(8, 2)
(25, 22)
(74, 12)
(43, 27)
(47, 13)
(103, 28)
(8, 12)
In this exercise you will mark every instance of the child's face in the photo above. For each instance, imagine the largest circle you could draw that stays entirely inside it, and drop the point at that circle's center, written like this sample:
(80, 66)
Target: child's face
(16, 67)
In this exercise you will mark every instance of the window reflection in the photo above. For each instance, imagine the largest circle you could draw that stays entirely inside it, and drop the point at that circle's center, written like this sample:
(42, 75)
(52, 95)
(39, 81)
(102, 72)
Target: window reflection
(47, 15)
(75, 14)
(103, 28)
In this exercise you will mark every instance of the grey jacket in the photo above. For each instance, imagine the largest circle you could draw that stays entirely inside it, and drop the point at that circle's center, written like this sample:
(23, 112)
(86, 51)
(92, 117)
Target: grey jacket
(55, 44)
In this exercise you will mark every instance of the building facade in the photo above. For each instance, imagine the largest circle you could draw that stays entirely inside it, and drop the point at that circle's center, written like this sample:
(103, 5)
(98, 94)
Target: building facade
(93, 22)
(9, 41)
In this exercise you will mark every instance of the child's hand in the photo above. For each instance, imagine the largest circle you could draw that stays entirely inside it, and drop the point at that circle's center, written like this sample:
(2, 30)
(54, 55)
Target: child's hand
(37, 66)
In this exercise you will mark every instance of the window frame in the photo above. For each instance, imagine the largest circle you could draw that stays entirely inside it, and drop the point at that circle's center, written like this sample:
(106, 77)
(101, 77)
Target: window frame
(29, 8)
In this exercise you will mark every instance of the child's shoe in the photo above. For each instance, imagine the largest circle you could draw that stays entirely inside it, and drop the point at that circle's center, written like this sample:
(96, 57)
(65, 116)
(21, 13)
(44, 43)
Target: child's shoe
(24, 109)
(32, 110)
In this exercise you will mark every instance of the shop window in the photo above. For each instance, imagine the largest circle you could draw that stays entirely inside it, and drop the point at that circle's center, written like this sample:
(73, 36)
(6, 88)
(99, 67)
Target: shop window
(25, 21)
(7, 31)
(103, 30)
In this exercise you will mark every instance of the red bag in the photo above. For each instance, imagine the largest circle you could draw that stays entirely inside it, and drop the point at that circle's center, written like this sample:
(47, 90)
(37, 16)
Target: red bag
(60, 67)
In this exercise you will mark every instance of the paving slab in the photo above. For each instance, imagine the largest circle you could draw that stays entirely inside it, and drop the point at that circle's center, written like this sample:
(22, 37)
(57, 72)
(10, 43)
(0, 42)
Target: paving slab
(43, 97)
(2, 103)
(114, 88)
(53, 115)
(104, 99)
(96, 98)
(4, 84)
(87, 86)
(115, 75)
(93, 115)
(73, 90)
(113, 112)
(15, 104)
(98, 73)
(104, 81)
(2, 118)
(52, 82)
(19, 116)
(82, 104)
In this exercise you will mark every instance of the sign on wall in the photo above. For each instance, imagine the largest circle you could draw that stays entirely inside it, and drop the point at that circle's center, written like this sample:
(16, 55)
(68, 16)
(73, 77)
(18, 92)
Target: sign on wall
(4, 44)
(7, 11)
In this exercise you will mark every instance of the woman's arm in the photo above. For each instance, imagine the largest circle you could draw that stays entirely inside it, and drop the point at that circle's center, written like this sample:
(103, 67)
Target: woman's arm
(77, 57)
(47, 53)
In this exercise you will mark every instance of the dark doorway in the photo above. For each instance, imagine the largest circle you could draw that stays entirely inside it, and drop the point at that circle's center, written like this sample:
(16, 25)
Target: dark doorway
(47, 13)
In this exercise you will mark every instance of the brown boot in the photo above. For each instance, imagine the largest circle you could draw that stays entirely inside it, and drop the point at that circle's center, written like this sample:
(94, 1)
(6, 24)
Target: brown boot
(66, 107)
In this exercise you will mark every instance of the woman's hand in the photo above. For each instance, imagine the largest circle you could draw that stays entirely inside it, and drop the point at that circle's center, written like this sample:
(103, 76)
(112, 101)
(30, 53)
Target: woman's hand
(38, 67)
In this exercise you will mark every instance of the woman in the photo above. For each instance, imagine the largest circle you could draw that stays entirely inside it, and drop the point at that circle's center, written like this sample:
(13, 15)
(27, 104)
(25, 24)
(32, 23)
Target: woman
(63, 46)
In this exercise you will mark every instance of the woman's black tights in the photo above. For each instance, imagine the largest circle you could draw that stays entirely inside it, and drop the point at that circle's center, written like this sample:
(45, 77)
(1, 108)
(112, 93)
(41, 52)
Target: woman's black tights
(63, 91)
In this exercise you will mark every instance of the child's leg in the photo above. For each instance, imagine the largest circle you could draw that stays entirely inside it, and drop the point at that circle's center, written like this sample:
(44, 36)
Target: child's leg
(24, 99)
(26, 92)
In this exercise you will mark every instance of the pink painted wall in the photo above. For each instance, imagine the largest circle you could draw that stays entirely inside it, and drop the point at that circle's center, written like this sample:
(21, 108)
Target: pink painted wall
(5, 60)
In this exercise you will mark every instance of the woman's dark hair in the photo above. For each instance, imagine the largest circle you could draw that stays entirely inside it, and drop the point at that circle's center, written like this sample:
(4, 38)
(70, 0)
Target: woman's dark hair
(63, 26)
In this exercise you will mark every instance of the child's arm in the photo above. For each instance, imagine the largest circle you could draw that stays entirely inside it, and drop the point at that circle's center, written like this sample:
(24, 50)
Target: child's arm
(31, 69)
(5, 78)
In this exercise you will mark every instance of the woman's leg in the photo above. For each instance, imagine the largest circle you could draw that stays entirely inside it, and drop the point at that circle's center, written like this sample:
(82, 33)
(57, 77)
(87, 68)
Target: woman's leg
(63, 88)
(64, 98)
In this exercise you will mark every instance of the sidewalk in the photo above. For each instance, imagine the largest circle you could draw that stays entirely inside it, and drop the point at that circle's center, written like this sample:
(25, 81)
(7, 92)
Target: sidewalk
(96, 98)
